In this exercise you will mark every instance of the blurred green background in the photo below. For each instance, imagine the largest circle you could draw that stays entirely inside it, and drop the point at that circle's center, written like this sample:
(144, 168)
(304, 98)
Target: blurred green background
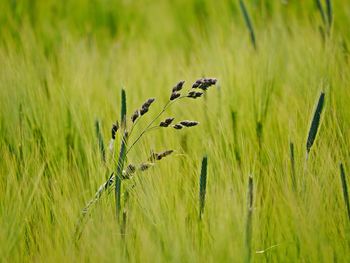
(62, 66)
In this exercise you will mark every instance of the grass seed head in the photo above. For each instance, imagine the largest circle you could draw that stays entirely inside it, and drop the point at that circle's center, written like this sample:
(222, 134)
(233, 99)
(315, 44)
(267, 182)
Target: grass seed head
(145, 107)
(194, 94)
(143, 111)
(178, 86)
(189, 123)
(177, 126)
(204, 83)
(148, 103)
(115, 128)
(135, 116)
(174, 95)
(164, 154)
(166, 122)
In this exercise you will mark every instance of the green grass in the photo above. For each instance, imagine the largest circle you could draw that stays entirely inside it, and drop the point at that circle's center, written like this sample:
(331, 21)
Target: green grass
(62, 67)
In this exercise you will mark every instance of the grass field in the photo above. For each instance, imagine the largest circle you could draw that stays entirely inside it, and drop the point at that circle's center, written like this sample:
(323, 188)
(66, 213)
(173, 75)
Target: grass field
(63, 65)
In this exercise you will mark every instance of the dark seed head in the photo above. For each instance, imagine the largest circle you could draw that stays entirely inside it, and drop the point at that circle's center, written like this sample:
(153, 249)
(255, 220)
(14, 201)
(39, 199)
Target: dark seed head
(194, 94)
(115, 128)
(143, 110)
(212, 81)
(135, 116)
(189, 123)
(148, 103)
(178, 86)
(174, 95)
(145, 166)
(166, 122)
(164, 154)
(177, 126)
(197, 83)
(204, 83)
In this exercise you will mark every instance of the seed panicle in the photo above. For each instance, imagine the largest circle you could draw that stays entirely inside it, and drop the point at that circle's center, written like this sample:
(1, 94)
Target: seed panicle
(204, 83)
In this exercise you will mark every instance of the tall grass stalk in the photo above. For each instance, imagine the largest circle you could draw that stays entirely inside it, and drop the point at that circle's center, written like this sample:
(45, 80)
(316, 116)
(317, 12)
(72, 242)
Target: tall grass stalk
(248, 23)
(315, 123)
(121, 157)
(203, 186)
(235, 139)
(320, 9)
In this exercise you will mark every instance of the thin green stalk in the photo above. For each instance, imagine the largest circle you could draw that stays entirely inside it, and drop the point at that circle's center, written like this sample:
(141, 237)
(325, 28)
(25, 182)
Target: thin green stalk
(345, 189)
(248, 23)
(292, 164)
(249, 227)
(148, 127)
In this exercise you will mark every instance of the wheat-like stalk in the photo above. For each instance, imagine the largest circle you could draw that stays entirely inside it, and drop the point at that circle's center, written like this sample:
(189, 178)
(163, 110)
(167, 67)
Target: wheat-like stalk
(203, 185)
(101, 144)
(315, 123)
(248, 23)
(235, 139)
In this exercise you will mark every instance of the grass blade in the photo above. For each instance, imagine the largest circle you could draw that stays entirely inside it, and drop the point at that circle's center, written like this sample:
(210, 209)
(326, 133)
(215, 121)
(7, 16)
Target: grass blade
(203, 186)
(248, 23)
(345, 189)
(123, 109)
(249, 229)
(315, 124)
(292, 163)
(320, 9)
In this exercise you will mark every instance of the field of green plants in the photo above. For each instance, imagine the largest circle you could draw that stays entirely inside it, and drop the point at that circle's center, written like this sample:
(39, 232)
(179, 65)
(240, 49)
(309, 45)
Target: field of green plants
(263, 174)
